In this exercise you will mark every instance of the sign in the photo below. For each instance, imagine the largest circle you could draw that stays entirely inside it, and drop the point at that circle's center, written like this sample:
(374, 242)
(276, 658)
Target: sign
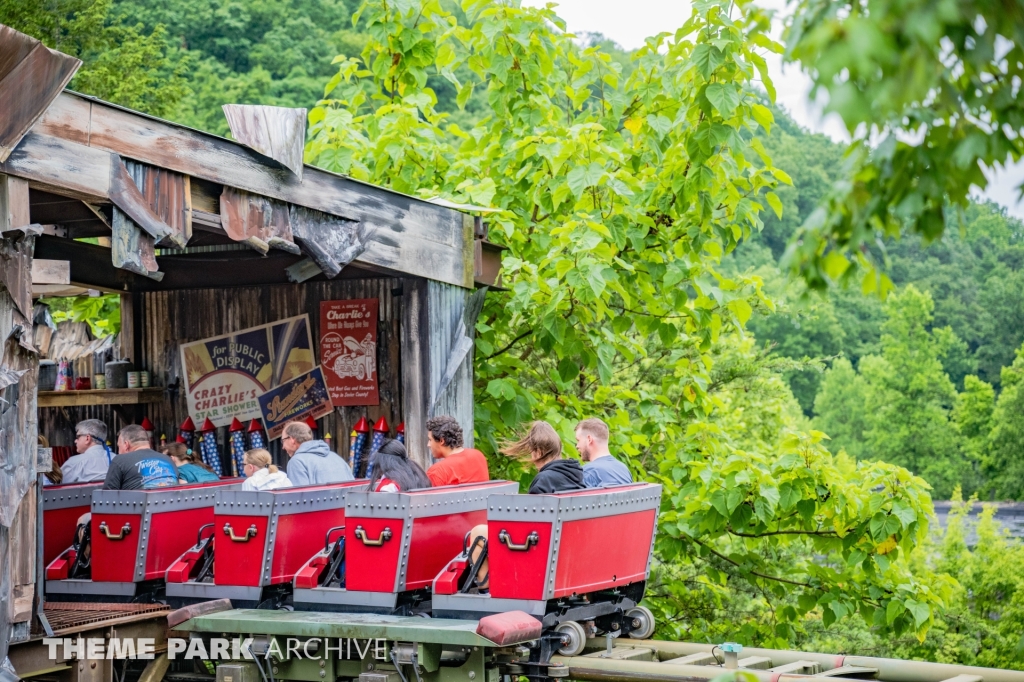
(348, 350)
(299, 398)
(225, 375)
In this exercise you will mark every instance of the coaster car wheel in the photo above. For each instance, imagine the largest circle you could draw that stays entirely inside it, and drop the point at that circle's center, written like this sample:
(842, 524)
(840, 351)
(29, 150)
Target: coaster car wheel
(643, 622)
(573, 638)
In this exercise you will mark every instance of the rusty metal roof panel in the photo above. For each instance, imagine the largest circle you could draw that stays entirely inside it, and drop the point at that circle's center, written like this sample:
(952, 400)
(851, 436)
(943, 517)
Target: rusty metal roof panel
(31, 77)
(169, 197)
(276, 132)
(256, 220)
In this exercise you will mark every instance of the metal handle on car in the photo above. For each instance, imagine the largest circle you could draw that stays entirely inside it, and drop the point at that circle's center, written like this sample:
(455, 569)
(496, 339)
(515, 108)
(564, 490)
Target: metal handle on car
(327, 540)
(531, 540)
(385, 535)
(125, 530)
(250, 532)
(199, 537)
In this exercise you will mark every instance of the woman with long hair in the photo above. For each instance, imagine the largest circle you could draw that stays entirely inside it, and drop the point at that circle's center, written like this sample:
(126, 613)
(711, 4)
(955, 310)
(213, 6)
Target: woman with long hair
(191, 469)
(542, 448)
(393, 471)
(260, 474)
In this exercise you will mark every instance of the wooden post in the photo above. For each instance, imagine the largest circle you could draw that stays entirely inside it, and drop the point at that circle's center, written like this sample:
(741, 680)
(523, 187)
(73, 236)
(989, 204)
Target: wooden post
(13, 203)
(127, 337)
(23, 558)
(415, 369)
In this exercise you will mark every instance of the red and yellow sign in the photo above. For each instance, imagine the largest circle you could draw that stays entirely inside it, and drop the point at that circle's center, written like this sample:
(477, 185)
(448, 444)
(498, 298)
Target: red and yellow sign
(225, 375)
(348, 350)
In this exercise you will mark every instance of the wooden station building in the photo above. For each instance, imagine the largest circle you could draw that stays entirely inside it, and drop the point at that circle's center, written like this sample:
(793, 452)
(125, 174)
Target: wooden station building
(206, 236)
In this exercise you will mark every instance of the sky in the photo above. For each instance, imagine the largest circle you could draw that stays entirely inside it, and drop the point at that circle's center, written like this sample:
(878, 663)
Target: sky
(631, 22)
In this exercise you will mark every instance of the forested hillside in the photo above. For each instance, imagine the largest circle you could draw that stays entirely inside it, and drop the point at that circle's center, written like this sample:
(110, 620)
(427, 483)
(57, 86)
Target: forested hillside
(927, 379)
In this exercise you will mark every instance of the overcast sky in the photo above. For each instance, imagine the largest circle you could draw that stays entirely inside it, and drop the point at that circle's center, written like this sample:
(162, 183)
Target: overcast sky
(629, 23)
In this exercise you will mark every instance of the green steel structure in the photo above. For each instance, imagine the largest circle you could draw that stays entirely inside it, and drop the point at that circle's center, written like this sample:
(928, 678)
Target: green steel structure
(311, 647)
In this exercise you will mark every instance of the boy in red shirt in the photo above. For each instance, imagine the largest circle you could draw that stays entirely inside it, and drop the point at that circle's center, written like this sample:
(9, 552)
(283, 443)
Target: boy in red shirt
(455, 464)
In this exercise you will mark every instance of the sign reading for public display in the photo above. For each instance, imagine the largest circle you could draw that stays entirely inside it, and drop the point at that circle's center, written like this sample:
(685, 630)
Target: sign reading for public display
(304, 396)
(348, 350)
(225, 375)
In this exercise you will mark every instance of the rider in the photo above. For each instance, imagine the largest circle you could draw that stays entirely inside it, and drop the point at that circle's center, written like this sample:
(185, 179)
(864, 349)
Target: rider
(455, 463)
(261, 474)
(601, 468)
(394, 472)
(137, 466)
(93, 458)
(542, 447)
(311, 461)
(191, 469)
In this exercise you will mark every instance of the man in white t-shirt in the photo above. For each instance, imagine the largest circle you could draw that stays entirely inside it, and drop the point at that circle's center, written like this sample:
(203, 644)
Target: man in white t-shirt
(93, 458)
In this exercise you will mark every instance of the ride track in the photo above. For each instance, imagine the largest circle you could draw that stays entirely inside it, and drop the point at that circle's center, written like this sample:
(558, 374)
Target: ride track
(351, 584)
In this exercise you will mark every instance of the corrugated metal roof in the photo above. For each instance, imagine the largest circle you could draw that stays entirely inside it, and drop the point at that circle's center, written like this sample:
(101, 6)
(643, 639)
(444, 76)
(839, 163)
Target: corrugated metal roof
(31, 77)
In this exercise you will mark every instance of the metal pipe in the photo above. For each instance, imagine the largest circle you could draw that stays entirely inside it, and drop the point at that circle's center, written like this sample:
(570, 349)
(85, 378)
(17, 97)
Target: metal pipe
(617, 670)
(890, 670)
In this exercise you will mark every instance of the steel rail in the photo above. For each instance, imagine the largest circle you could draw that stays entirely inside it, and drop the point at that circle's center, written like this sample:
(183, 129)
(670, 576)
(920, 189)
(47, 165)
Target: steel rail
(617, 670)
(621, 667)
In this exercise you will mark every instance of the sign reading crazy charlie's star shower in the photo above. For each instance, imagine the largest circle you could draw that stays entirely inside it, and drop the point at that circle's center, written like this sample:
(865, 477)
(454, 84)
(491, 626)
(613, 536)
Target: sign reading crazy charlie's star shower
(225, 375)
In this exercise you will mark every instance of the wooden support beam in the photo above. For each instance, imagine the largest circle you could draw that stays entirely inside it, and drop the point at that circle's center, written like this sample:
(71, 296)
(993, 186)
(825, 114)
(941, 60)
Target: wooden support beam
(59, 291)
(50, 272)
(61, 167)
(91, 265)
(14, 203)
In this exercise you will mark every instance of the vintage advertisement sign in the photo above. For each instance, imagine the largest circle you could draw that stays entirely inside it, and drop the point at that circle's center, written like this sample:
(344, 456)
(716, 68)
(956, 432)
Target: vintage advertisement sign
(225, 375)
(299, 398)
(348, 350)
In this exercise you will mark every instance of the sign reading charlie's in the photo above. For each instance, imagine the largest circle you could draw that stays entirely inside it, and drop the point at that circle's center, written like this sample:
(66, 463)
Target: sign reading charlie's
(348, 350)
(302, 397)
(225, 375)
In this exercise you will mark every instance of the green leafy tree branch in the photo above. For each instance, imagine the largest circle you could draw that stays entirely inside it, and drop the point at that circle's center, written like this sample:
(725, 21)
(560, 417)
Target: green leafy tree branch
(617, 196)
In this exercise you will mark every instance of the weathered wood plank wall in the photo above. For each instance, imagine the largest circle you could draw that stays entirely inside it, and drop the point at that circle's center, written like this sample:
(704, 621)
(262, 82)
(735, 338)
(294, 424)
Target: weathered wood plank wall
(446, 306)
(57, 424)
(18, 475)
(415, 368)
(166, 319)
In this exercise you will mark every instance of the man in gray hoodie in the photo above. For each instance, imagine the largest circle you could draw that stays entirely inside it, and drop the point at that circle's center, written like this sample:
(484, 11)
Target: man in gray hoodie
(311, 461)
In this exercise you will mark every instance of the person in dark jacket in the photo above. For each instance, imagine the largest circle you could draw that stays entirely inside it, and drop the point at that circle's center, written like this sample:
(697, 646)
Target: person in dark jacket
(542, 447)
